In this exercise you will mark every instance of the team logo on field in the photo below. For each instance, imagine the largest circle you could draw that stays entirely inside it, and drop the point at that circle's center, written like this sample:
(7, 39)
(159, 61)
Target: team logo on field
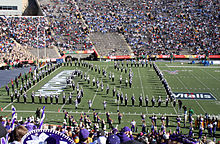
(55, 85)
(172, 72)
(197, 96)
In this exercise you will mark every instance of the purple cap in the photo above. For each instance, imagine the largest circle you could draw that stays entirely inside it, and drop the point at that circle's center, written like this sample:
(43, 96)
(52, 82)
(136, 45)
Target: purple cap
(83, 134)
(125, 129)
(114, 131)
(113, 139)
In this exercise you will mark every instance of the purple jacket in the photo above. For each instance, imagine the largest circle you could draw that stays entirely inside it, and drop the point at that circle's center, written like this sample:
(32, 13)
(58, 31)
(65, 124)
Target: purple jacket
(123, 137)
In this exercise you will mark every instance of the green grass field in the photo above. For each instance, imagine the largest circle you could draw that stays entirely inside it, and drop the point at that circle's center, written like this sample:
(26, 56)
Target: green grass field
(189, 78)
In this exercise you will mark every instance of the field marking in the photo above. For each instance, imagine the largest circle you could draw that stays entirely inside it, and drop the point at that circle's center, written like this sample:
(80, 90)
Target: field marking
(31, 88)
(102, 113)
(97, 89)
(9, 104)
(142, 86)
(189, 92)
(203, 84)
(190, 66)
(63, 105)
(210, 75)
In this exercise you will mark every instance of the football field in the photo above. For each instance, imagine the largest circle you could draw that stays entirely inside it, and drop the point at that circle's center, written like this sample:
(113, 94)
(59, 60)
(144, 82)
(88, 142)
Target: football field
(197, 86)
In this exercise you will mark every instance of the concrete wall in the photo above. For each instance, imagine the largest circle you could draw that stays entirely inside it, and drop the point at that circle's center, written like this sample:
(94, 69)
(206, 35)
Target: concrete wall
(25, 5)
(33, 9)
(17, 3)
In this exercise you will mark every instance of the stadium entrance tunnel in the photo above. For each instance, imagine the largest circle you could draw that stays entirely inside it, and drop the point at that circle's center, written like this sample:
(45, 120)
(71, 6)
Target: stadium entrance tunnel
(74, 57)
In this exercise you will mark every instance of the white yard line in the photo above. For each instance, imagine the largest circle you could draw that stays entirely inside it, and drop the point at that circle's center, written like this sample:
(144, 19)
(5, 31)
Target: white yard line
(203, 84)
(189, 92)
(102, 113)
(9, 104)
(63, 105)
(210, 75)
(191, 66)
(142, 88)
(30, 88)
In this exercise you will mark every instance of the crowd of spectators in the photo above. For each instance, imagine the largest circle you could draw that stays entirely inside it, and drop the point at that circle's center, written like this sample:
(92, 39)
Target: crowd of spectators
(158, 27)
(60, 27)
(87, 131)
(10, 50)
(69, 31)
(149, 27)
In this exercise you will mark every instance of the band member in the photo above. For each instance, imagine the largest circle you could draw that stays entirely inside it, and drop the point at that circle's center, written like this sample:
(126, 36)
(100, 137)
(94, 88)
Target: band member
(12, 97)
(119, 117)
(76, 104)
(64, 98)
(167, 101)
(140, 100)
(107, 89)
(159, 101)
(104, 104)
(70, 98)
(25, 97)
(57, 98)
(40, 98)
(126, 99)
(153, 101)
(45, 97)
(18, 97)
(32, 96)
(133, 100)
(90, 104)
(146, 101)
(51, 98)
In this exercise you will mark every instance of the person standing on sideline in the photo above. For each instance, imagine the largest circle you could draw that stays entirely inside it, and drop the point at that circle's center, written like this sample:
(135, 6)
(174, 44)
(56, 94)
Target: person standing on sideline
(133, 124)
(119, 117)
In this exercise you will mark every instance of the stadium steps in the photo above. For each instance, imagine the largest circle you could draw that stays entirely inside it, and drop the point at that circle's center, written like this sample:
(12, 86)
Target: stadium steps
(22, 49)
(110, 44)
(51, 52)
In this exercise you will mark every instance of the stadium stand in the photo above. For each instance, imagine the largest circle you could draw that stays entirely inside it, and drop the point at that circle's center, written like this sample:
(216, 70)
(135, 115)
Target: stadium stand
(11, 51)
(68, 31)
(158, 27)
